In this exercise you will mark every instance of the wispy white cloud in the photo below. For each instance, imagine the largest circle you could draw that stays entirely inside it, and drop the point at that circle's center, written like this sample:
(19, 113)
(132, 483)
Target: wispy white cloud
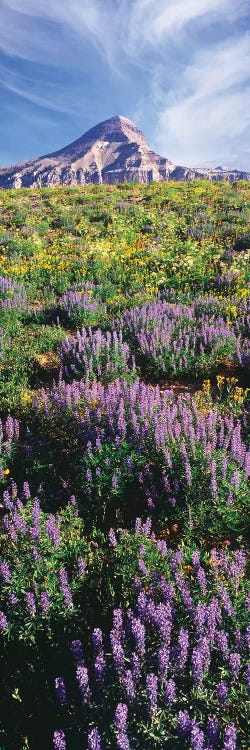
(127, 22)
(208, 114)
(196, 132)
(221, 67)
(25, 88)
(153, 21)
(22, 35)
(117, 27)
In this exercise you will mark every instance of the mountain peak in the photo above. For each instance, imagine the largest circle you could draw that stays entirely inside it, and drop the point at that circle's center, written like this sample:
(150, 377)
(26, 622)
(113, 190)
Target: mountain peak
(117, 129)
(117, 121)
(121, 119)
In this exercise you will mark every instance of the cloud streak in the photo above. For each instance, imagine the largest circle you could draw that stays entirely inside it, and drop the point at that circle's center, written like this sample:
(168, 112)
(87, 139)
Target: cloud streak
(208, 115)
(54, 100)
(152, 22)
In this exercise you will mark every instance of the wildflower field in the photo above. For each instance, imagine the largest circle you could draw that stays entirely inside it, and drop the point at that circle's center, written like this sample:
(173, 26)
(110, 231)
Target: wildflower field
(124, 467)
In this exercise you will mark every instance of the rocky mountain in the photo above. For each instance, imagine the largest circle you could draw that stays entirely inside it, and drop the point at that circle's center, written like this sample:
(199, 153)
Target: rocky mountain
(113, 151)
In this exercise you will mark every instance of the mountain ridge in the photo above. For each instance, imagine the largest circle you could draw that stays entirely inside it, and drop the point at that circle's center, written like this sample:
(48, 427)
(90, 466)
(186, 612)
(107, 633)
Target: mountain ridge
(114, 150)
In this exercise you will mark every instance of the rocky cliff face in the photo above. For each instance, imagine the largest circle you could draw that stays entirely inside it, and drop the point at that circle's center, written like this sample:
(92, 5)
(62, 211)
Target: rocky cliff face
(113, 151)
(189, 174)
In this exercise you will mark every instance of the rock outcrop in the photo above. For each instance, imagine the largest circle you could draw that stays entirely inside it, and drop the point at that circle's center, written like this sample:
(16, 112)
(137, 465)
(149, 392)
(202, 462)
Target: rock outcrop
(112, 152)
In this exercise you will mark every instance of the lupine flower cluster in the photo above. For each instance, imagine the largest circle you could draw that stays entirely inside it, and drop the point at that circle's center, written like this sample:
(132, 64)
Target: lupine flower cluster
(82, 304)
(95, 354)
(9, 435)
(242, 317)
(168, 657)
(12, 294)
(44, 563)
(225, 281)
(170, 449)
(173, 339)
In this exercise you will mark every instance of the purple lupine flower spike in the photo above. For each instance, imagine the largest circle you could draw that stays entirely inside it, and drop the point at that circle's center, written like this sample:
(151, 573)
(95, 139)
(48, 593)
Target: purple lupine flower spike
(248, 677)
(59, 740)
(30, 602)
(5, 571)
(97, 638)
(183, 642)
(65, 588)
(81, 566)
(212, 732)
(3, 621)
(234, 663)
(121, 715)
(230, 738)
(129, 685)
(77, 652)
(142, 567)
(152, 690)
(94, 739)
(184, 723)
(100, 667)
(197, 738)
(60, 689)
(123, 741)
(26, 491)
(112, 538)
(222, 691)
(83, 682)
(163, 661)
(12, 599)
(52, 530)
(170, 692)
(45, 602)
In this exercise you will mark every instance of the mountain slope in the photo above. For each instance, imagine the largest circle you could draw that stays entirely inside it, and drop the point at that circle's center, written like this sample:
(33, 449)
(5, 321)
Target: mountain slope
(113, 151)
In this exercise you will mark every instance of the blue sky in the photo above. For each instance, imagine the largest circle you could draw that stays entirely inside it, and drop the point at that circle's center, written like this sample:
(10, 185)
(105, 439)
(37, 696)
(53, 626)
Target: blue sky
(178, 68)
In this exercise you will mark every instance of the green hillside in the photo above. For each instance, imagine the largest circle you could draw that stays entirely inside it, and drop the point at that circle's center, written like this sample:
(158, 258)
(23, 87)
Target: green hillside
(124, 466)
